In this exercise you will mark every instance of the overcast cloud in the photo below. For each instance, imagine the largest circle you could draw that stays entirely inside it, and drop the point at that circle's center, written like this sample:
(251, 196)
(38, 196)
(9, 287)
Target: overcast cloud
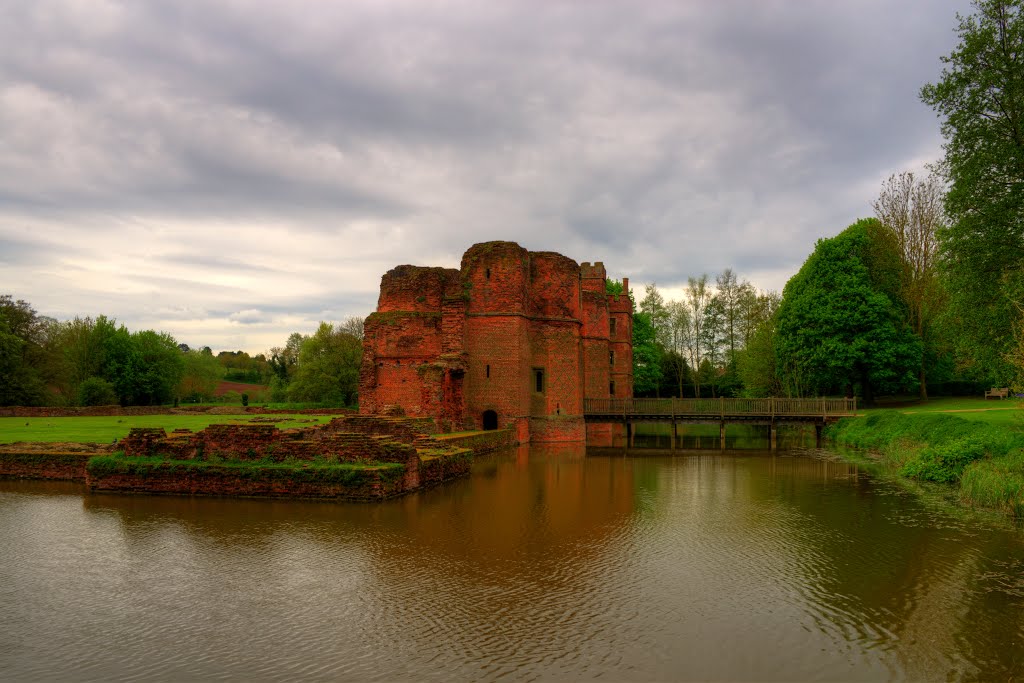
(234, 171)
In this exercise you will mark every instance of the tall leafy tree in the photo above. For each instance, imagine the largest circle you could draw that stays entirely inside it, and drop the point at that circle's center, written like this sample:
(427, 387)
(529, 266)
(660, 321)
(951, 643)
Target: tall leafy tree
(653, 305)
(679, 339)
(840, 322)
(200, 376)
(980, 97)
(328, 367)
(646, 356)
(910, 209)
(698, 296)
(735, 296)
(22, 342)
(158, 367)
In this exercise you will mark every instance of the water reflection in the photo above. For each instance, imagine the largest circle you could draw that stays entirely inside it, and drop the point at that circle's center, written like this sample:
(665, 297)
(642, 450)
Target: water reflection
(546, 563)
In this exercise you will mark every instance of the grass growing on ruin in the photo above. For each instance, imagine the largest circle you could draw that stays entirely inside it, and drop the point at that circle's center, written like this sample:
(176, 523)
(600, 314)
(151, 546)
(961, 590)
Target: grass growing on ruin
(306, 471)
(107, 429)
(983, 460)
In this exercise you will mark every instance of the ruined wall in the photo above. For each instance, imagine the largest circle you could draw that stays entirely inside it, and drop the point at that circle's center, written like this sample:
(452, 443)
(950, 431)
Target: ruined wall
(36, 464)
(596, 364)
(180, 479)
(415, 289)
(620, 343)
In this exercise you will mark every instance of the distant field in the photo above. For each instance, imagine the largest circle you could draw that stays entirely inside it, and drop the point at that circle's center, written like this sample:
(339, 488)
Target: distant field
(107, 429)
(1006, 412)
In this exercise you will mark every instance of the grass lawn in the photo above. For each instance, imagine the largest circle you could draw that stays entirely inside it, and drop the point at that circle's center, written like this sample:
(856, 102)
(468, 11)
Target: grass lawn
(106, 429)
(1002, 412)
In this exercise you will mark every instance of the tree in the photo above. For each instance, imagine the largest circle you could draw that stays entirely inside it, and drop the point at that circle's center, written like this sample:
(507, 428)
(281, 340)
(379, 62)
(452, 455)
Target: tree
(838, 324)
(200, 376)
(354, 326)
(678, 337)
(911, 210)
(980, 97)
(653, 305)
(713, 341)
(96, 391)
(158, 369)
(697, 299)
(328, 367)
(22, 338)
(646, 356)
(735, 298)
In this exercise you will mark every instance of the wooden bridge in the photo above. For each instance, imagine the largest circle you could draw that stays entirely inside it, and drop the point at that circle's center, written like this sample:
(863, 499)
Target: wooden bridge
(721, 411)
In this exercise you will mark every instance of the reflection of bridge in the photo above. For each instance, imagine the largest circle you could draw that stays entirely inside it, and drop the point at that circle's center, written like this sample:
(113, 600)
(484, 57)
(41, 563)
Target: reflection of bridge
(721, 411)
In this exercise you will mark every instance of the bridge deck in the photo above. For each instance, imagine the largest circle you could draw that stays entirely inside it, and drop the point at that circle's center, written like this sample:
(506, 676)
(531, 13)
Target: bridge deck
(718, 409)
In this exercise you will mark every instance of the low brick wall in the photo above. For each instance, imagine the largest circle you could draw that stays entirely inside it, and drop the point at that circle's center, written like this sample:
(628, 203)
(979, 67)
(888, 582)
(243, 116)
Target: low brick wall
(310, 462)
(257, 442)
(44, 465)
(211, 480)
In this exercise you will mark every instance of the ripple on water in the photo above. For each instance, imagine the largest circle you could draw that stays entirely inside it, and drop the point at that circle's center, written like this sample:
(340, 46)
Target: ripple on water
(631, 569)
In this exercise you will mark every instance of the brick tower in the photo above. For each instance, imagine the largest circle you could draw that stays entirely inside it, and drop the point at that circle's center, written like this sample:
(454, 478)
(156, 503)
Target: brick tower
(512, 339)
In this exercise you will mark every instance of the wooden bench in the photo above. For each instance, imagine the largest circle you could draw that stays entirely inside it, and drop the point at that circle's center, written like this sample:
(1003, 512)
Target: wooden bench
(997, 393)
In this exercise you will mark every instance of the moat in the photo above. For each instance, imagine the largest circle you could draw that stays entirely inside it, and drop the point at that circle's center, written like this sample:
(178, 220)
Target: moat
(545, 563)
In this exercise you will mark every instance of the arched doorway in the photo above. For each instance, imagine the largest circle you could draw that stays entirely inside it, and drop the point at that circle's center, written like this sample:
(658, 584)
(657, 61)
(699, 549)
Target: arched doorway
(490, 420)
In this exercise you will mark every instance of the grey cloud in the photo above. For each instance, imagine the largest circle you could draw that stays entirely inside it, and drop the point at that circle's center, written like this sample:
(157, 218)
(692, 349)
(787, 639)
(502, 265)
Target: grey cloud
(665, 138)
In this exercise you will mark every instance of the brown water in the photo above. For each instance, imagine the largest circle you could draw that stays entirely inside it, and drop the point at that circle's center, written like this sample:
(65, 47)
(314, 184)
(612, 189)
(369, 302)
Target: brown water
(545, 564)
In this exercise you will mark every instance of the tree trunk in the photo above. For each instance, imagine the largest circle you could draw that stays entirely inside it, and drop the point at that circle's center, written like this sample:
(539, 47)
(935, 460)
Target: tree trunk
(924, 387)
(865, 387)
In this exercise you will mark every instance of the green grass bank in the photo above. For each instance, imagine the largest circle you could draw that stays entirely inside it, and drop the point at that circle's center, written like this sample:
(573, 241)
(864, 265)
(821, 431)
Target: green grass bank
(106, 429)
(983, 460)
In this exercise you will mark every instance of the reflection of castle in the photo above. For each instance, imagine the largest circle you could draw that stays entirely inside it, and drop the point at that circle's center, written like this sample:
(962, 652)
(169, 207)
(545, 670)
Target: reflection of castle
(514, 339)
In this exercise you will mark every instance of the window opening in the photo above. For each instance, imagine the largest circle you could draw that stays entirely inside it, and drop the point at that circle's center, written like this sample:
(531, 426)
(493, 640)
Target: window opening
(487, 273)
(488, 372)
(538, 380)
(611, 388)
(490, 420)
(611, 358)
(611, 327)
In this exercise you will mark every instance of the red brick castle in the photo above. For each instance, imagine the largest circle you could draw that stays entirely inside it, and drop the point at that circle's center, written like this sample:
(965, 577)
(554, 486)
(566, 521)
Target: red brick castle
(514, 338)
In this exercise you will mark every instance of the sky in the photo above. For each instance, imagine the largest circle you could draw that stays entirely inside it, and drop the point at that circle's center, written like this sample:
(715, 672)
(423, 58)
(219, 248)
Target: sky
(232, 171)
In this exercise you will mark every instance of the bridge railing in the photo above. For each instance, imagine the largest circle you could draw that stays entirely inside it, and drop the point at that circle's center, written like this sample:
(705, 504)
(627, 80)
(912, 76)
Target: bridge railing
(722, 407)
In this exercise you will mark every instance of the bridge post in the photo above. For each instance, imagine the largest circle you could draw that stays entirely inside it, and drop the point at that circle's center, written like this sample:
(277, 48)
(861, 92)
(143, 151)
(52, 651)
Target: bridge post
(675, 432)
(721, 434)
(773, 435)
(817, 434)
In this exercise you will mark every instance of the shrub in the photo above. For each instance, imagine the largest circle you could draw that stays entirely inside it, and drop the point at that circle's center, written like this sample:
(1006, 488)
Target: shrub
(996, 484)
(96, 391)
(945, 462)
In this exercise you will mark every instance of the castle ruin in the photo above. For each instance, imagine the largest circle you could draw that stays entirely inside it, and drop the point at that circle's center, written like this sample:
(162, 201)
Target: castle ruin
(513, 339)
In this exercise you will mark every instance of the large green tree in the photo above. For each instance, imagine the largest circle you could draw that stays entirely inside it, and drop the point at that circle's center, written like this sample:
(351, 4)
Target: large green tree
(201, 374)
(841, 324)
(910, 209)
(328, 367)
(646, 356)
(22, 351)
(756, 361)
(980, 97)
